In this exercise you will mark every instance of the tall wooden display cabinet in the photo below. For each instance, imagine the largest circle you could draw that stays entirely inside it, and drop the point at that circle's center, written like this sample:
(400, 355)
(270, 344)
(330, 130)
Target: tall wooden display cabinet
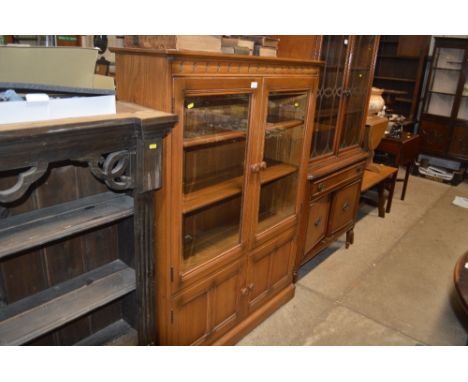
(337, 156)
(235, 175)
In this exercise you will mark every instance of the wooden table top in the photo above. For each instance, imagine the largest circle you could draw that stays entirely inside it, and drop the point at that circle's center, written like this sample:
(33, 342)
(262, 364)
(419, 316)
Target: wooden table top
(124, 110)
(404, 138)
(460, 277)
(372, 178)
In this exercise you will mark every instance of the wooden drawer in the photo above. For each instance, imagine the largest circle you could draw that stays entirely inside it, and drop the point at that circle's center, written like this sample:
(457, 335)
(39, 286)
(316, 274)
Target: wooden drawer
(343, 207)
(317, 222)
(331, 182)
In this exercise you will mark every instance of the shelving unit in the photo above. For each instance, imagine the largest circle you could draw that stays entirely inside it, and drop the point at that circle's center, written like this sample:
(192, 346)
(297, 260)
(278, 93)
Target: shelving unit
(337, 155)
(76, 227)
(236, 168)
(399, 71)
(444, 121)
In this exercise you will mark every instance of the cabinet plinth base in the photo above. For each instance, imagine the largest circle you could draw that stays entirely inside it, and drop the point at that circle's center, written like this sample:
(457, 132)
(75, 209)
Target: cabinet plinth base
(247, 325)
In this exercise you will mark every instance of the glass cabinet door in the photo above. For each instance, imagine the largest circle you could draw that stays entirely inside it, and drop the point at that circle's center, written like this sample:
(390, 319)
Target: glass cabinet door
(357, 90)
(334, 53)
(445, 74)
(282, 150)
(463, 108)
(215, 131)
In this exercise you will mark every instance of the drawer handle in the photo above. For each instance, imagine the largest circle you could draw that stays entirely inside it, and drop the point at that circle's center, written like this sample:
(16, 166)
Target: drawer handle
(345, 206)
(249, 288)
(318, 221)
(321, 186)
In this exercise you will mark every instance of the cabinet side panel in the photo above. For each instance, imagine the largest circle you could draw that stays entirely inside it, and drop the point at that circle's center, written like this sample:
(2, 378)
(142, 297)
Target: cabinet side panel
(143, 79)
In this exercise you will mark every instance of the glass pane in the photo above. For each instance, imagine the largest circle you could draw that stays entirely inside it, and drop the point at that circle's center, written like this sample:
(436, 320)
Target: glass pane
(446, 69)
(284, 136)
(439, 104)
(357, 90)
(448, 58)
(463, 110)
(329, 93)
(215, 132)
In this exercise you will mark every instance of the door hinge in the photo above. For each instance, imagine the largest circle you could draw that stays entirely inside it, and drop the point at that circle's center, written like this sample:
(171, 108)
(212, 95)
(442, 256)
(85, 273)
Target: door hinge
(172, 104)
(172, 274)
(172, 316)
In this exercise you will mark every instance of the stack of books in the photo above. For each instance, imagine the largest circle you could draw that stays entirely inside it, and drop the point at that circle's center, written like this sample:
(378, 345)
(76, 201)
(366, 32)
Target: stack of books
(250, 45)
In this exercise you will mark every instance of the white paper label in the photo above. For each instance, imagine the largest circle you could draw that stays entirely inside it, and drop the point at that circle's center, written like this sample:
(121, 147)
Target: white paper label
(254, 84)
(37, 97)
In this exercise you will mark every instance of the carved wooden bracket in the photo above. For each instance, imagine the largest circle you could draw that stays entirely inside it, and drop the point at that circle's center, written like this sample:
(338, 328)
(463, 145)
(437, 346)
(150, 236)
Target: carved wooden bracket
(114, 170)
(25, 179)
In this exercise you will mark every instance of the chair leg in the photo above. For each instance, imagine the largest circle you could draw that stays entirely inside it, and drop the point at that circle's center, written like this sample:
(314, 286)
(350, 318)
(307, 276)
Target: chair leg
(349, 237)
(381, 202)
(392, 189)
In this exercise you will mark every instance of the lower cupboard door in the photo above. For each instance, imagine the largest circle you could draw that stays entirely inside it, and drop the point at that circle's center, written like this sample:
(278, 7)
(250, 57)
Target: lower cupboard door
(270, 270)
(344, 205)
(207, 310)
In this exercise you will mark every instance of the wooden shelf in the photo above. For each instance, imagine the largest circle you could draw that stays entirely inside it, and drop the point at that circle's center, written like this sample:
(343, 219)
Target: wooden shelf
(443, 93)
(284, 124)
(275, 172)
(403, 100)
(229, 188)
(212, 194)
(410, 58)
(31, 229)
(384, 78)
(271, 219)
(214, 138)
(44, 311)
(119, 333)
(213, 243)
(395, 92)
(450, 69)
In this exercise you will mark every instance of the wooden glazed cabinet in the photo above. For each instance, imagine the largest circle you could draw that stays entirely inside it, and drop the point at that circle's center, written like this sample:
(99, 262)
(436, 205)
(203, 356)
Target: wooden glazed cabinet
(444, 122)
(337, 157)
(236, 166)
(76, 213)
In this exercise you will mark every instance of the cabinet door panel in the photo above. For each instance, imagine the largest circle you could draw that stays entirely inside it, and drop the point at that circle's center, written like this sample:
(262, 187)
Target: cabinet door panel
(210, 192)
(356, 94)
(286, 127)
(270, 270)
(459, 144)
(344, 205)
(206, 311)
(317, 222)
(434, 134)
(334, 52)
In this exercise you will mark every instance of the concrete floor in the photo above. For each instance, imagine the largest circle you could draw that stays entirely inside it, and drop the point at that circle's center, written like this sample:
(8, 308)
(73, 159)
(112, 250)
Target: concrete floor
(394, 286)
